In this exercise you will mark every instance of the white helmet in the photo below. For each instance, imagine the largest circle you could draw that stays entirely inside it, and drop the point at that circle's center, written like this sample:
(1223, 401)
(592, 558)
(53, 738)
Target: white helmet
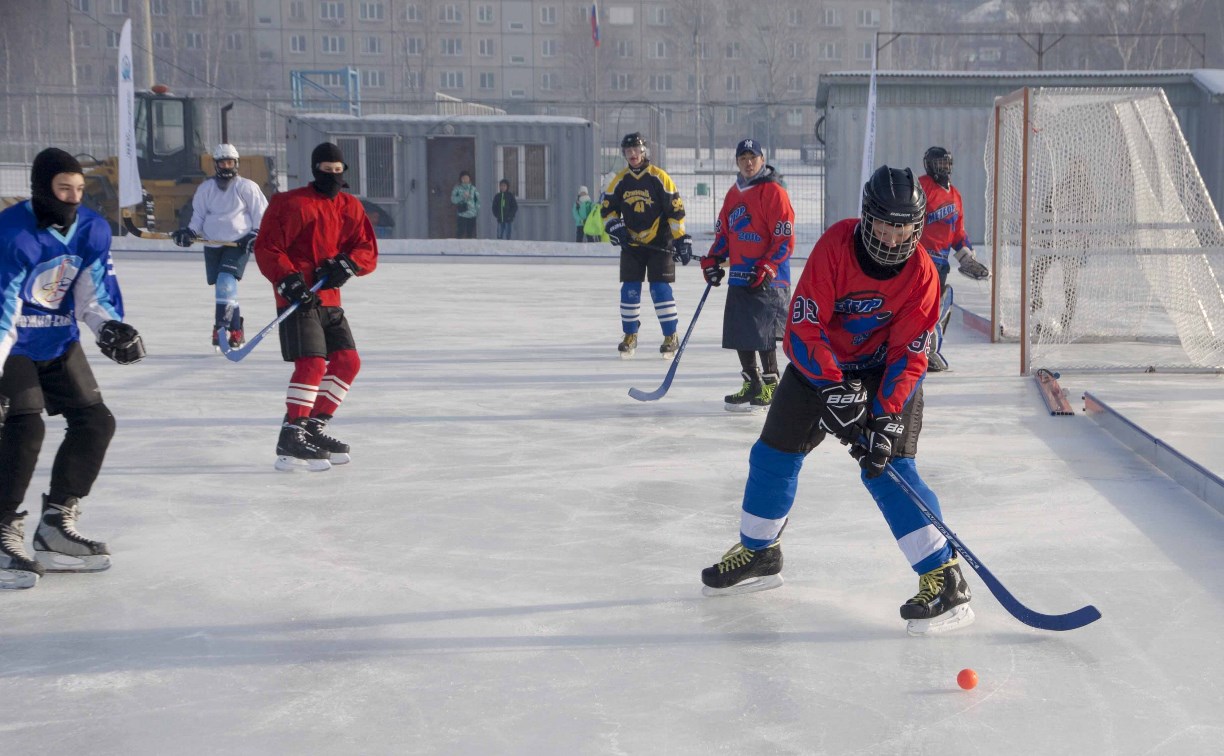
(226, 152)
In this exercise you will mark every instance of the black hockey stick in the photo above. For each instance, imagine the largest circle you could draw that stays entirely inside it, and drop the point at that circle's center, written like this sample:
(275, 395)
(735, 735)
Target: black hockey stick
(143, 233)
(650, 396)
(1070, 621)
(236, 355)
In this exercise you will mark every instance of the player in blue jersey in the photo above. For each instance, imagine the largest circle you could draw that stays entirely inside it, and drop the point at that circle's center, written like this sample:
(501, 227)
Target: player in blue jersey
(55, 269)
(862, 315)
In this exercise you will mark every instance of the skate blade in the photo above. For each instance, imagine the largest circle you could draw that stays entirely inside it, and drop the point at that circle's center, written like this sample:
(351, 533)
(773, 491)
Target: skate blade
(752, 585)
(54, 561)
(340, 458)
(743, 409)
(627, 355)
(293, 464)
(668, 355)
(960, 616)
(17, 580)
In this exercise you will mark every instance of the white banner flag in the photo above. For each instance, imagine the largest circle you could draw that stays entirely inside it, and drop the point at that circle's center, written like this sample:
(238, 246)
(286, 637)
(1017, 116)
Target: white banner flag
(869, 165)
(130, 192)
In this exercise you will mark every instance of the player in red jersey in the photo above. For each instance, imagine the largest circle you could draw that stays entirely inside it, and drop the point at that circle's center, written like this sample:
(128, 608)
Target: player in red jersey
(860, 322)
(753, 237)
(306, 234)
(943, 237)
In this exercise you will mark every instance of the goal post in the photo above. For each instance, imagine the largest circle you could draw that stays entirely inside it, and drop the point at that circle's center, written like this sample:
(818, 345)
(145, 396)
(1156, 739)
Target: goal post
(1105, 242)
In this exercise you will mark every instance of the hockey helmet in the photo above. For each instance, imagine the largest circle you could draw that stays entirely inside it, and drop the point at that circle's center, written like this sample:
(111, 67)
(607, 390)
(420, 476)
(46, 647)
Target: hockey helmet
(225, 152)
(635, 140)
(894, 198)
(938, 164)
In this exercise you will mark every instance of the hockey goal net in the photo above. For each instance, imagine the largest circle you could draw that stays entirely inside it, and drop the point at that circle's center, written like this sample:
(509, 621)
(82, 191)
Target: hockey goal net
(1106, 244)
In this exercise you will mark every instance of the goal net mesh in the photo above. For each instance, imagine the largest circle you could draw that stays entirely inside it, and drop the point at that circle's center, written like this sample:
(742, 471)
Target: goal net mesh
(1104, 235)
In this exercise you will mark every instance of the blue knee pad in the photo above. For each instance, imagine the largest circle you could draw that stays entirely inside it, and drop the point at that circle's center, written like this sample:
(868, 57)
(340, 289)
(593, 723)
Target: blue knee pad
(227, 289)
(773, 481)
(923, 545)
(631, 306)
(665, 306)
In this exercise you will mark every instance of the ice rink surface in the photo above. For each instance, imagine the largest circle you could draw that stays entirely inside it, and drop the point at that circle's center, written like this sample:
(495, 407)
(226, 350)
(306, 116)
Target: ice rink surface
(510, 564)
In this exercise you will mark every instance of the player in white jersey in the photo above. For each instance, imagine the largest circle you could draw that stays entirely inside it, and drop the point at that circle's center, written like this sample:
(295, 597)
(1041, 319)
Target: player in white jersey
(226, 207)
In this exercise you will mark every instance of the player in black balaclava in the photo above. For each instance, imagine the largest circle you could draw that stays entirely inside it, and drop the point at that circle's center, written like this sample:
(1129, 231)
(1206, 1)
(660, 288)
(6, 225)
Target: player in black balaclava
(327, 183)
(49, 209)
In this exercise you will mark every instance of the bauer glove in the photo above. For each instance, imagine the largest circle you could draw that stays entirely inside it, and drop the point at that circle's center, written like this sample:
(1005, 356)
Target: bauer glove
(711, 268)
(293, 289)
(969, 265)
(617, 233)
(184, 237)
(883, 437)
(762, 275)
(338, 269)
(682, 250)
(844, 410)
(120, 342)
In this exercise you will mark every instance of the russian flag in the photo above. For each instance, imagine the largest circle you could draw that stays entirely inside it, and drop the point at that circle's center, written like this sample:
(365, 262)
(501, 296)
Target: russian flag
(595, 23)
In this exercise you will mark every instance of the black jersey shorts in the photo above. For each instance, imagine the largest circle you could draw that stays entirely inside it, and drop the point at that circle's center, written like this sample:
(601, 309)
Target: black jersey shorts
(58, 384)
(315, 332)
(793, 422)
(637, 263)
(232, 260)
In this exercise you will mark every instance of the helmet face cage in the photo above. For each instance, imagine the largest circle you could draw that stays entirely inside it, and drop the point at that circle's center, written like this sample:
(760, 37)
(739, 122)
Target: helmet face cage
(938, 164)
(634, 140)
(892, 197)
(225, 152)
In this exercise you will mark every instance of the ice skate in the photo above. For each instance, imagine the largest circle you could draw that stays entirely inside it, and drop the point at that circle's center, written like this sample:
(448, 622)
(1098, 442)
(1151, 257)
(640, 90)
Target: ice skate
(294, 451)
(936, 362)
(17, 570)
(236, 337)
(216, 339)
(741, 401)
(667, 350)
(58, 546)
(316, 433)
(942, 601)
(764, 394)
(743, 570)
(628, 346)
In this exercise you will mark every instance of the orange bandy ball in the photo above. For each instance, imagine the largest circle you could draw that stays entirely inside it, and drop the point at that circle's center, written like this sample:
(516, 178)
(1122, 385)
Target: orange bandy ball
(967, 679)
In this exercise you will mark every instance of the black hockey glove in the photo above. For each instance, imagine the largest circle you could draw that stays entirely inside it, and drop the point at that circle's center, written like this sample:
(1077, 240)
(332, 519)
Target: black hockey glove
(338, 269)
(682, 250)
(617, 233)
(844, 410)
(184, 237)
(763, 274)
(120, 342)
(293, 288)
(247, 243)
(969, 265)
(711, 268)
(884, 433)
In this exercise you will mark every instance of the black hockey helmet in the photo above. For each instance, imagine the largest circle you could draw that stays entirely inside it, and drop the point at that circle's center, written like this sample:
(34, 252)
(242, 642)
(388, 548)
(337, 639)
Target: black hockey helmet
(938, 164)
(635, 140)
(892, 196)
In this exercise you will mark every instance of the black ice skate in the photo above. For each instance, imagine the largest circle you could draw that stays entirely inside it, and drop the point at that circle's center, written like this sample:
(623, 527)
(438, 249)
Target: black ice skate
(294, 451)
(17, 569)
(942, 601)
(59, 547)
(741, 401)
(316, 433)
(667, 350)
(628, 346)
(743, 570)
(764, 395)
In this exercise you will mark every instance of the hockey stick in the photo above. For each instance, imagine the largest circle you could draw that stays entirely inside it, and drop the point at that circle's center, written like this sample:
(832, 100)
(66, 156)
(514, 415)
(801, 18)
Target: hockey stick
(143, 233)
(650, 396)
(236, 355)
(1070, 621)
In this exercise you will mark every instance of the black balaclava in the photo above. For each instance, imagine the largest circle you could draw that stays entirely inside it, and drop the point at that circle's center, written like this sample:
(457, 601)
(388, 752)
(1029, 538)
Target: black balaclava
(48, 209)
(327, 183)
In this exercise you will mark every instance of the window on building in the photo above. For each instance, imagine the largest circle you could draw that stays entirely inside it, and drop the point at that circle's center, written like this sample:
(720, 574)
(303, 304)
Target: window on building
(656, 49)
(233, 41)
(548, 15)
(869, 17)
(488, 81)
(624, 48)
(414, 46)
(297, 43)
(371, 45)
(84, 71)
(81, 6)
(119, 7)
(373, 78)
(866, 50)
(451, 46)
(450, 80)
(371, 165)
(619, 15)
(794, 83)
(525, 168)
(297, 10)
(658, 15)
(794, 17)
(621, 82)
(795, 50)
(729, 116)
(794, 117)
(660, 83)
(331, 80)
(371, 12)
(331, 10)
(830, 17)
(412, 13)
(734, 51)
(412, 81)
(161, 39)
(193, 40)
(486, 48)
(829, 51)
(112, 39)
(332, 44)
(550, 81)
(197, 8)
(159, 7)
(450, 14)
(484, 14)
(548, 48)
(233, 9)
(518, 60)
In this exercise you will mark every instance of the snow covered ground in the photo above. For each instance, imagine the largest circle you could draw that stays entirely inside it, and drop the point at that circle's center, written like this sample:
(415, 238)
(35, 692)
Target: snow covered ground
(510, 564)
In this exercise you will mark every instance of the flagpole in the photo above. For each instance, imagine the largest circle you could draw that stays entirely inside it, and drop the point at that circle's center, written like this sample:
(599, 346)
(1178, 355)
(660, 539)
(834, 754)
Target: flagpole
(595, 96)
